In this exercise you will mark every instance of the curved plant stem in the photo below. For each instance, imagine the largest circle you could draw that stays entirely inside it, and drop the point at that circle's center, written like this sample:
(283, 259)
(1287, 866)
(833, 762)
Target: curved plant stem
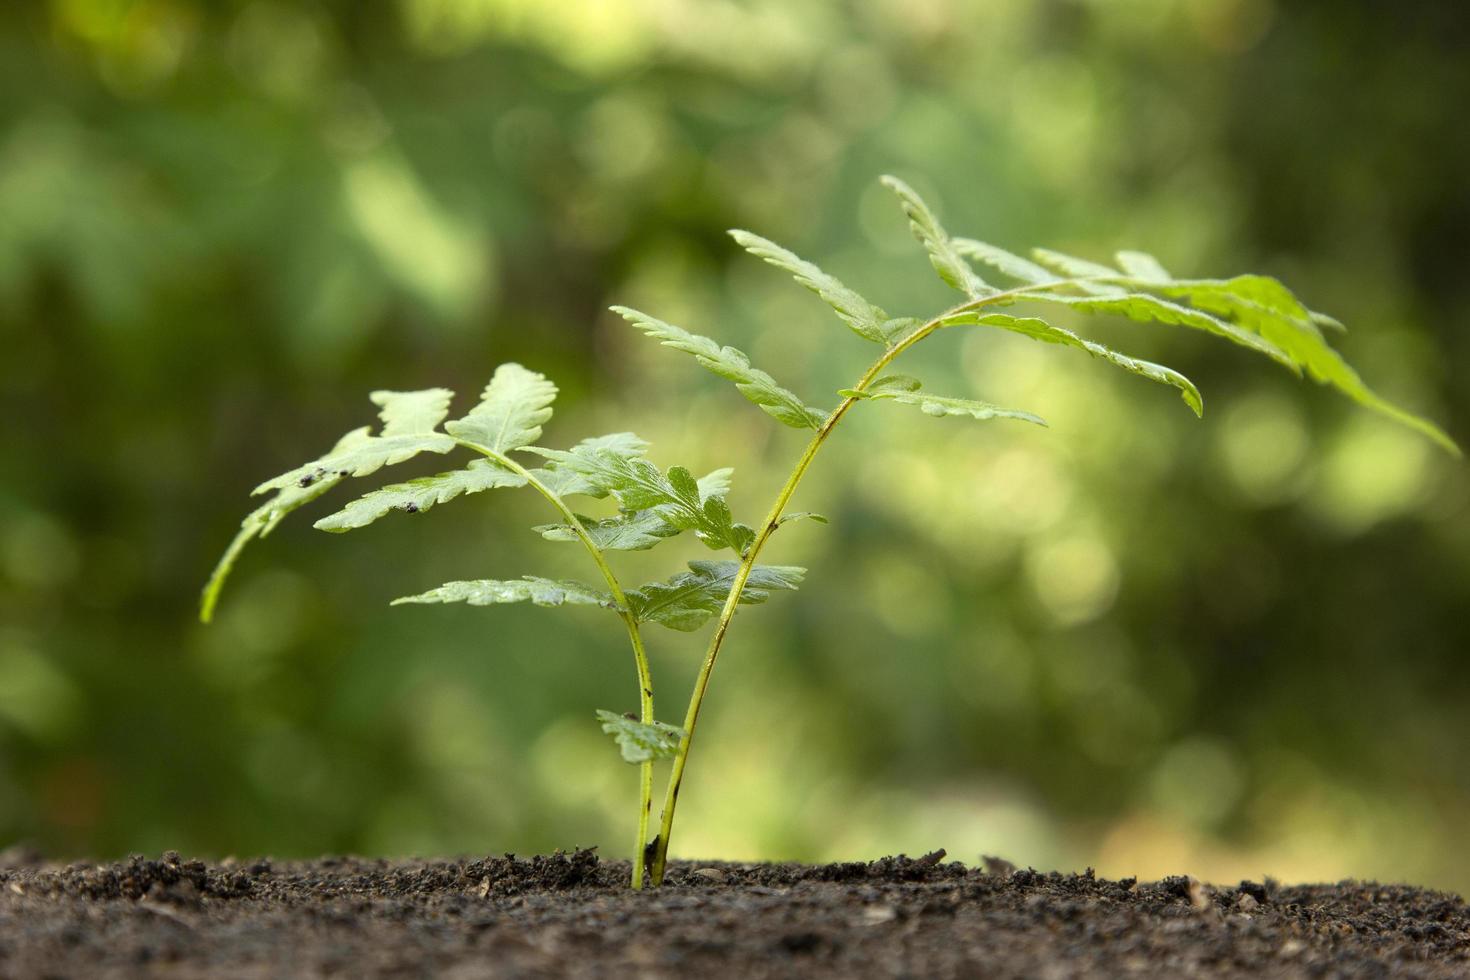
(768, 527)
(635, 638)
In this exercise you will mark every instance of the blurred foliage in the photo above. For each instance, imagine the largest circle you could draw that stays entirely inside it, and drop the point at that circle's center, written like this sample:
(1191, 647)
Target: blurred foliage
(1137, 641)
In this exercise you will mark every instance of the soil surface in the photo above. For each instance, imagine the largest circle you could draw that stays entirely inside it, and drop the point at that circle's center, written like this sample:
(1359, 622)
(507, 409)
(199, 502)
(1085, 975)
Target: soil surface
(571, 915)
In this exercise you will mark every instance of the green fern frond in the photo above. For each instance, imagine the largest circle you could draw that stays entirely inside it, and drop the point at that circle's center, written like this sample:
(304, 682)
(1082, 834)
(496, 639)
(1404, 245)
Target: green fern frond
(757, 386)
(943, 255)
(866, 319)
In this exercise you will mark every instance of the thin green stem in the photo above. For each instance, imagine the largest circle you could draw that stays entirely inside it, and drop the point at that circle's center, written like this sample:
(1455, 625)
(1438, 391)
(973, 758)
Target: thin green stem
(768, 527)
(645, 769)
(635, 637)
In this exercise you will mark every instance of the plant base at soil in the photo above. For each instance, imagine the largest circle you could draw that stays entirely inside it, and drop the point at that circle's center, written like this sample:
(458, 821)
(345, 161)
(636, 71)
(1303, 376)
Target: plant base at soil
(571, 915)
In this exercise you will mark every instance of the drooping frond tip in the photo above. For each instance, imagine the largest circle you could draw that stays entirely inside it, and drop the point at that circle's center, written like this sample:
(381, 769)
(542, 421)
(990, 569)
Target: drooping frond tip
(512, 409)
(1038, 329)
(1256, 312)
(409, 421)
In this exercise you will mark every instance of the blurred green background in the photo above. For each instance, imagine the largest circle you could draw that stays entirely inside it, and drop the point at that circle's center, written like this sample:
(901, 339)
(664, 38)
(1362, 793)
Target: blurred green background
(1136, 641)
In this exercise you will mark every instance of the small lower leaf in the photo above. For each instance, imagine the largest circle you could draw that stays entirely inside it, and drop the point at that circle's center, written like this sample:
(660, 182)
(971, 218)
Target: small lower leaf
(638, 741)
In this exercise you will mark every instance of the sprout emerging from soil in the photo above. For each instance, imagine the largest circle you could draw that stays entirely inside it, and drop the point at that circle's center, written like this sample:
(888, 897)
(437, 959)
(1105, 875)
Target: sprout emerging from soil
(502, 434)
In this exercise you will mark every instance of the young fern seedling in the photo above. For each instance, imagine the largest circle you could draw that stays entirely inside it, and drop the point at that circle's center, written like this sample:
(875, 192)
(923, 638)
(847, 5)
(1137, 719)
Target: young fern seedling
(654, 505)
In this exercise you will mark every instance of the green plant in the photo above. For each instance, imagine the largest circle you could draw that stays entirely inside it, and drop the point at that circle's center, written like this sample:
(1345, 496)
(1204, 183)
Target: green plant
(654, 505)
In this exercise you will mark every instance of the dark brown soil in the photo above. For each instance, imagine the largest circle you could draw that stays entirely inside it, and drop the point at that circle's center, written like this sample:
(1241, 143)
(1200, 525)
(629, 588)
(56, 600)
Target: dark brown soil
(572, 916)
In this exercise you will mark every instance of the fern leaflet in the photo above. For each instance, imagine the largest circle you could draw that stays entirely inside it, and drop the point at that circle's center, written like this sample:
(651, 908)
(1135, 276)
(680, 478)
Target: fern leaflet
(757, 386)
(512, 409)
(905, 390)
(689, 600)
(943, 255)
(866, 319)
(540, 591)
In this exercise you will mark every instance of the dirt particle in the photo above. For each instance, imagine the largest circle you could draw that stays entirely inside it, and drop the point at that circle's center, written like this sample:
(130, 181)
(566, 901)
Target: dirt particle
(1254, 889)
(997, 866)
(1188, 887)
(875, 915)
(799, 943)
(712, 875)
